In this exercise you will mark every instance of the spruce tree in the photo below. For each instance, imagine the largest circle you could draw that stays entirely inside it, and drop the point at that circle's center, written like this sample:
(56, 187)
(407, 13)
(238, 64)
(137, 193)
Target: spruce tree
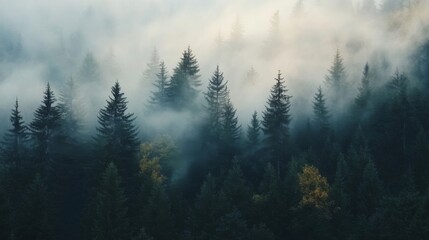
(336, 78)
(159, 97)
(253, 131)
(184, 83)
(364, 89)
(151, 72)
(71, 111)
(320, 111)
(230, 129)
(45, 130)
(15, 140)
(110, 221)
(117, 135)
(216, 98)
(275, 123)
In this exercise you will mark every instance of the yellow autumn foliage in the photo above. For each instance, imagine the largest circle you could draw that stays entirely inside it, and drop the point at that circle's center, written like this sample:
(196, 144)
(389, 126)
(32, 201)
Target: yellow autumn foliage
(314, 188)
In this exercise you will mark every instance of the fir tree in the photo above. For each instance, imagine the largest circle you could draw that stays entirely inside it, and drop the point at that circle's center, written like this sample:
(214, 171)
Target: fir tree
(320, 111)
(184, 83)
(336, 79)
(110, 220)
(152, 67)
(364, 89)
(275, 123)
(253, 131)
(230, 129)
(159, 97)
(15, 140)
(216, 99)
(45, 130)
(117, 135)
(70, 108)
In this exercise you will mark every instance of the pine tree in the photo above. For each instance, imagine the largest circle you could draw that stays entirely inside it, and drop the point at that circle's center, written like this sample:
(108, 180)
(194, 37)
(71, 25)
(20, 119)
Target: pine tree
(184, 83)
(15, 140)
(336, 79)
(159, 98)
(253, 131)
(216, 98)
(235, 189)
(320, 111)
(275, 123)
(110, 221)
(152, 67)
(230, 129)
(45, 130)
(90, 69)
(117, 135)
(71, 111)
(236, 40)
(364, 89)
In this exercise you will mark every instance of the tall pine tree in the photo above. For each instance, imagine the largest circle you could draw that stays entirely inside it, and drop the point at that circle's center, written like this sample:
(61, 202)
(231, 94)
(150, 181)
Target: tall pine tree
(253, 131)
(275, 123)
(216, 98)
(364, 89)
(184, 84)
(45, 130)
(159, 97)
(117, 135)
(320, 111)
(15, 140)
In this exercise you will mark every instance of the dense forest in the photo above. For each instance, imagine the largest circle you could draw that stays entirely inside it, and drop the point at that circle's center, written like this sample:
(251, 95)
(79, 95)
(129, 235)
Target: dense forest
(346, 158)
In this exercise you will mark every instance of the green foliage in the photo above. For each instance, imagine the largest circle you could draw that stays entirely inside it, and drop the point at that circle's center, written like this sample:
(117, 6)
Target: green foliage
(370, 190)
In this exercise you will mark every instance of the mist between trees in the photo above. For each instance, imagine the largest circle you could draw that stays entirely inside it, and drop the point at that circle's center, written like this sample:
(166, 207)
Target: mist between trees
(310, 124)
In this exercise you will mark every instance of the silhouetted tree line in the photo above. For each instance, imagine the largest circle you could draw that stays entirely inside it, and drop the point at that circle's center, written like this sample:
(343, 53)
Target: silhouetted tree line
(351, 171)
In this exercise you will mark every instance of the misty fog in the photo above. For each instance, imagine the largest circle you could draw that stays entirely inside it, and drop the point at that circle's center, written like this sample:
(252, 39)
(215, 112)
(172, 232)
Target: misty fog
(46, 41)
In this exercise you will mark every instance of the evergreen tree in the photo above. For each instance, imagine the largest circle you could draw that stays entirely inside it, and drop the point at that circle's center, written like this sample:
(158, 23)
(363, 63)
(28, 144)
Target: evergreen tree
(253, 131)
(275, 123)
(274, 40)
(216, 97)
(235, 189)
(320, 111)
(152, 67)
(90, 69)
(364, 89)
(15, 140)
(71, 111)
(230, 129)
(184, 83)
(159, 98)
(336, 79)
(110, 220)
(45, 130)
(117, 135)
(236, 40)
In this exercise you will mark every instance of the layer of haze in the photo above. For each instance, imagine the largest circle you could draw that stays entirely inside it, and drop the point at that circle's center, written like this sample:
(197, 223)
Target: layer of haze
(54, 37)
